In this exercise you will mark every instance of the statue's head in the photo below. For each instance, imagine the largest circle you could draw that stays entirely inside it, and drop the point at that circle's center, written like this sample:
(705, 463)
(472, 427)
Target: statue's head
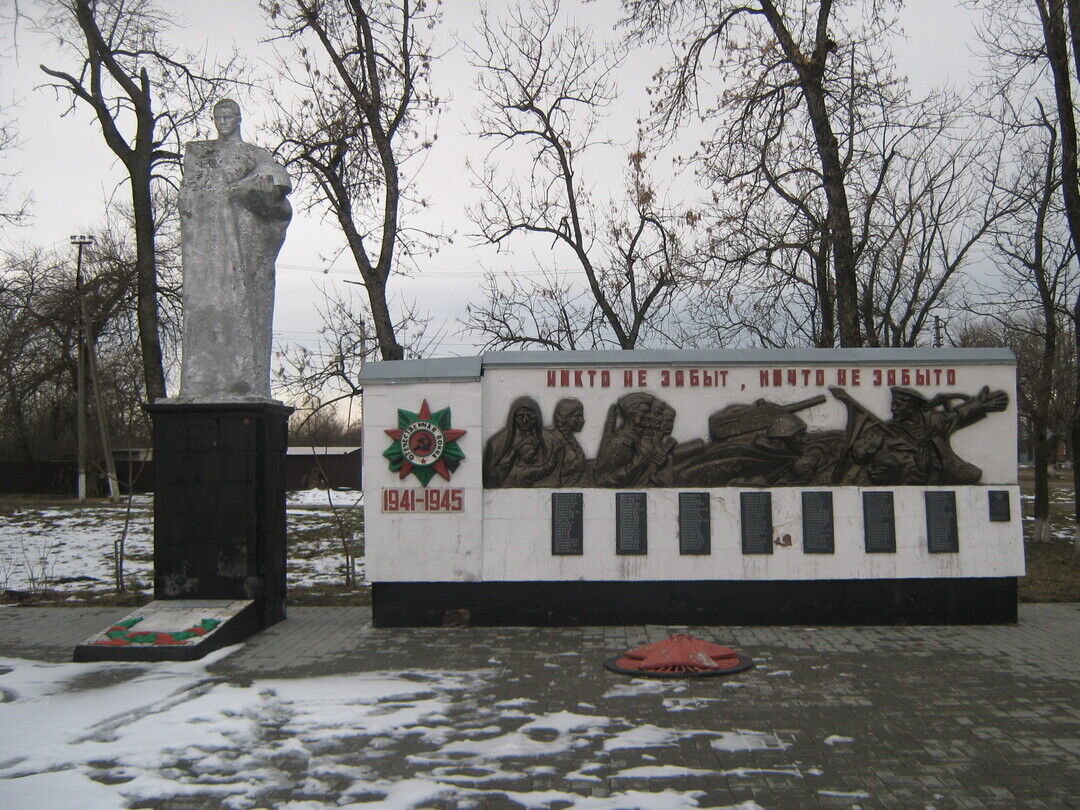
(227, 118)
(569, 415)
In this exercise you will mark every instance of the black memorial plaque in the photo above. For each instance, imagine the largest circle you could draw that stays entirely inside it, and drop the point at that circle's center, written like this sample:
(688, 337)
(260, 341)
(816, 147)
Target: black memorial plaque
(879, 525)
(756, 510)
(631, 535)
(942, 536)
(567, 524)
(817, 523)
(1000, 511)
(694, 532)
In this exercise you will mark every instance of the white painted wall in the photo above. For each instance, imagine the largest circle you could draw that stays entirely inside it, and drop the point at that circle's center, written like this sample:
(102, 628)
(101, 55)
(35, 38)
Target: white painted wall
(422, 547)
(505, 535)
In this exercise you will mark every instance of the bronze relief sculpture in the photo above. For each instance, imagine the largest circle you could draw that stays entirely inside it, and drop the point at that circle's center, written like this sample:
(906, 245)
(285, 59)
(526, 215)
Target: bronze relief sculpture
(750, 444)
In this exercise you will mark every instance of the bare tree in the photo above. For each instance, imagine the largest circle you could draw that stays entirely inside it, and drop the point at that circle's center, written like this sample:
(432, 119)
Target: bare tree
(1033, 48)
(545, 89)
(360, 122)
(145, 96)
(787, 59)
(38, 339)
(14, 208)
(1037, 276)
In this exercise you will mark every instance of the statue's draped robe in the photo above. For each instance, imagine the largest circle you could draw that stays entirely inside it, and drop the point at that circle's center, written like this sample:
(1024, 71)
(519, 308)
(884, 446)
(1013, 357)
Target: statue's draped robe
(233, 216)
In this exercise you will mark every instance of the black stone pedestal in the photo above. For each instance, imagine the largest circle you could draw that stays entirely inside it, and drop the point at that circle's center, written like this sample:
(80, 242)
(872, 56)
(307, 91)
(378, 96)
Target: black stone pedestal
(219, 503)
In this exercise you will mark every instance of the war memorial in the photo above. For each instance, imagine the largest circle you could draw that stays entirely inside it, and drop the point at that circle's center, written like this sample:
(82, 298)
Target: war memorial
(794, 487)
(219, 505)
(568, 488)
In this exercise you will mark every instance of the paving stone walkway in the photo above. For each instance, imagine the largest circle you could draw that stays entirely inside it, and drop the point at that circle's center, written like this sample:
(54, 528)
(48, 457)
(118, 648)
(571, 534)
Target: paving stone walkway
(910, 717)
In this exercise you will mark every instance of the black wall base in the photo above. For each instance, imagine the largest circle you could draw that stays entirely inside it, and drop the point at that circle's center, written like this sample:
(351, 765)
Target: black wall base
(219, 503)
(787, 602)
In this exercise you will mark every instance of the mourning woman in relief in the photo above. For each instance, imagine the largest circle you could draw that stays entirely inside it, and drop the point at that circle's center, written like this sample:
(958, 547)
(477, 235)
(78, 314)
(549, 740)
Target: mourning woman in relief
(572, 468)
(522, 454)
(233, 216)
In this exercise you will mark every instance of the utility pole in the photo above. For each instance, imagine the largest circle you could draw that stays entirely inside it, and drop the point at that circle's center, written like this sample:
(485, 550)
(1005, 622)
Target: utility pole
(88, 365)
(80, 241)
(937, 331)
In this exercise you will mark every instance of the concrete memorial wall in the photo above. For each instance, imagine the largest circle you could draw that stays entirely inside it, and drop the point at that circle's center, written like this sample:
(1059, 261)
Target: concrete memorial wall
(799, 486)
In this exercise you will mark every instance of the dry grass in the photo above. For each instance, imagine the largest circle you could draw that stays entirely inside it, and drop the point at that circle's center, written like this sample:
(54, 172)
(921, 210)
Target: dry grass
(1053, 569)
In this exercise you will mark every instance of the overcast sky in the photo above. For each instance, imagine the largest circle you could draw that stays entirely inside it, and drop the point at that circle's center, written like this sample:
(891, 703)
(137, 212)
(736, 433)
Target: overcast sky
(65, 164)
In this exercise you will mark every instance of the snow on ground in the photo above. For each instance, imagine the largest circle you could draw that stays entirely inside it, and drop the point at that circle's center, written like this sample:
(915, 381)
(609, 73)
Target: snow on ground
(345, 498)
(69, 548)
(112, 735)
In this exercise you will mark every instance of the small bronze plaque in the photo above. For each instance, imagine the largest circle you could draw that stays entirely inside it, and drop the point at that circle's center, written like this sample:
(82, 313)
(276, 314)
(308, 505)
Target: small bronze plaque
(942, 536)
(631, 535)
(879, 525)
(1000, 509)
(567, 523)
(756, 510)
(694, 531)
(817, 523)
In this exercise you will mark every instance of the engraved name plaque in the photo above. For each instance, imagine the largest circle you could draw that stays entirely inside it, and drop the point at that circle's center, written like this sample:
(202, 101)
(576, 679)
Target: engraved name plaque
(694, 533)
(567, 524)
(942, 536)
(1000, 510)
(630, 530)
(879, 526)
(756, 511)
(817, 523)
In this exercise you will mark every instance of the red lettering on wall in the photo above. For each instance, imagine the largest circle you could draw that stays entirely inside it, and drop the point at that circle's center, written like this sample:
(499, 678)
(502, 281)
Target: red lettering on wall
(950, 376)
(628, 379)
(641, 379)
(855, 372)
(841, 376)
(605, 378)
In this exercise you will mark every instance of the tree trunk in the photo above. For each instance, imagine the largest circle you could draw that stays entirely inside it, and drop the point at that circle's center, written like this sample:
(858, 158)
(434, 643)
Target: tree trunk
(1052, 16)
(1041, 460)
(384, 324)
(146, 284)
(839, 219)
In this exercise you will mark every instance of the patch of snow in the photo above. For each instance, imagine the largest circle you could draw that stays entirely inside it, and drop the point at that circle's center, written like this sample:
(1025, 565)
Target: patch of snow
(845, 794)
(838, 739)
(643, 686)
(344, 498)
(746, 740)
(687, 704)
(662, 772)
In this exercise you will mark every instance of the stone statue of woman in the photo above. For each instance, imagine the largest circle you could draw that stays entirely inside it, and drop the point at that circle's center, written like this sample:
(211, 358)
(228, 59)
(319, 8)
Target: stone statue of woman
(233, 216)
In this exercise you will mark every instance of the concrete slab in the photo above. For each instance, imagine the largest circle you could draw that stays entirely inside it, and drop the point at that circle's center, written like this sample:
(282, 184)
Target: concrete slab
(172, 630)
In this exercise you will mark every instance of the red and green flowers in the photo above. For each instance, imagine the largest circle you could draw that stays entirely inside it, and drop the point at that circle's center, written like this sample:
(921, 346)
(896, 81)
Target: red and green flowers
(121, 634)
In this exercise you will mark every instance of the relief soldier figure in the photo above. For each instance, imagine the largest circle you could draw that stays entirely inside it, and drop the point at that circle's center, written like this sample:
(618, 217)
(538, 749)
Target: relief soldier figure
(913, 446)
